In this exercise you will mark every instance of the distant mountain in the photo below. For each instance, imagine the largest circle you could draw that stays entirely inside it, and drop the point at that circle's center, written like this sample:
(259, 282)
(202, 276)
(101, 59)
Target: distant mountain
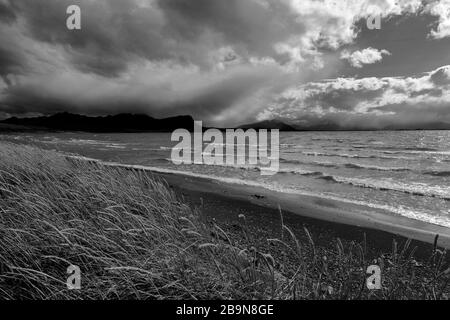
(427, 126)
(322, 126)
(331, 126)
(126, 122)
(269, 124)
(117, 123)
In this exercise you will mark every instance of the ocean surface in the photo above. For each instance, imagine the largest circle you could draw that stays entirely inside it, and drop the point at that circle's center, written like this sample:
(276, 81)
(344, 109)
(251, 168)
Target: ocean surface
(404, 172)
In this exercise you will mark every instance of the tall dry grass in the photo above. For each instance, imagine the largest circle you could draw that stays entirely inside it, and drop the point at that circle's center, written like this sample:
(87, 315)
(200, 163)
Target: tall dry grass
(134, 239)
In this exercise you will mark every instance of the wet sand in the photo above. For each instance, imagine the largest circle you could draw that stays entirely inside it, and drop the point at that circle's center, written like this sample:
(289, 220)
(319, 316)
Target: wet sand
(327, 219)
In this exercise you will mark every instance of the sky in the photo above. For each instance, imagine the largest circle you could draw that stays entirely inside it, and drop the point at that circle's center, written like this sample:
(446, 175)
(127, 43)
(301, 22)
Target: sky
(230, 62)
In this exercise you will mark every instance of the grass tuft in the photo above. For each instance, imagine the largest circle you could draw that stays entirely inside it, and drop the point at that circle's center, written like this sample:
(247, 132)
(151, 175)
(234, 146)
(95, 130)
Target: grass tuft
(134, 239)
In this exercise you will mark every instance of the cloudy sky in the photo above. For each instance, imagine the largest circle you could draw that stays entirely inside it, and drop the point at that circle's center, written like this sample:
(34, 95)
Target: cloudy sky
(229, 62)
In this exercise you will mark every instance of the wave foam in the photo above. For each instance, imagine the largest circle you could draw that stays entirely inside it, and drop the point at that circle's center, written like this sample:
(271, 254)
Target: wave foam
(413, 188)
(402, 211)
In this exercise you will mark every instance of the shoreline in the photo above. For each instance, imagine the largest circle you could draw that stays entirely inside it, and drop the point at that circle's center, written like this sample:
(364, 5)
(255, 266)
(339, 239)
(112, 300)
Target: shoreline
(137, 234)
(319, 210)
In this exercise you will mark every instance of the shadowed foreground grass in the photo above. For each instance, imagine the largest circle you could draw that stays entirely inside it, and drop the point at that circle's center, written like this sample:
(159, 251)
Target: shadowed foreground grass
(134, 239)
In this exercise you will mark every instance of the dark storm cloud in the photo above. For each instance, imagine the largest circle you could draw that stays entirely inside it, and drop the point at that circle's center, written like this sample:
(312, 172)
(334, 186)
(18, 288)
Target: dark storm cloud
(112, 33)
(204, 97)
(140, 47)
(223, 61)
(116, 32)
(253, 26)
(157, 57)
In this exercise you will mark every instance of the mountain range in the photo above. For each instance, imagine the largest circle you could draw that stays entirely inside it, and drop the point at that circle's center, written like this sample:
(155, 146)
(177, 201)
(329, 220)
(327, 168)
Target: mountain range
(126, 122)
(115, 123)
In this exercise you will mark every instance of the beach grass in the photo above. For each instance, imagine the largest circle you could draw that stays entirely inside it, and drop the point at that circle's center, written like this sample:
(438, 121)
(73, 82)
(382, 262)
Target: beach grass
(134, 238)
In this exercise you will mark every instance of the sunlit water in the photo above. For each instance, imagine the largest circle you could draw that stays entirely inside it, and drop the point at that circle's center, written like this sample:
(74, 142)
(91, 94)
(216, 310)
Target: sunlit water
(404, 172)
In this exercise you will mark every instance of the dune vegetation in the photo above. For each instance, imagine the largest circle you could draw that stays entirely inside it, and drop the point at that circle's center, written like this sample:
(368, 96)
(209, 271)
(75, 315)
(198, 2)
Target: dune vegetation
(134, 238)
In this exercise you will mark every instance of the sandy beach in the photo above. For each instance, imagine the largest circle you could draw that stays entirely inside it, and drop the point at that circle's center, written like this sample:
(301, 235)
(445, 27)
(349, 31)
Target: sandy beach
(328, 217)
(138, 232)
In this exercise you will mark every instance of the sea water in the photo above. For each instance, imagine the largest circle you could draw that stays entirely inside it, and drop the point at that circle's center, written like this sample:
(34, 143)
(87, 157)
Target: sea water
(404, 172)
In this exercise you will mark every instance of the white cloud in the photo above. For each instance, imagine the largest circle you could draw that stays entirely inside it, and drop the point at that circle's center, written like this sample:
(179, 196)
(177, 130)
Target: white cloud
(368, 102)
(367, 56)
(440, 9)
(332, 23)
